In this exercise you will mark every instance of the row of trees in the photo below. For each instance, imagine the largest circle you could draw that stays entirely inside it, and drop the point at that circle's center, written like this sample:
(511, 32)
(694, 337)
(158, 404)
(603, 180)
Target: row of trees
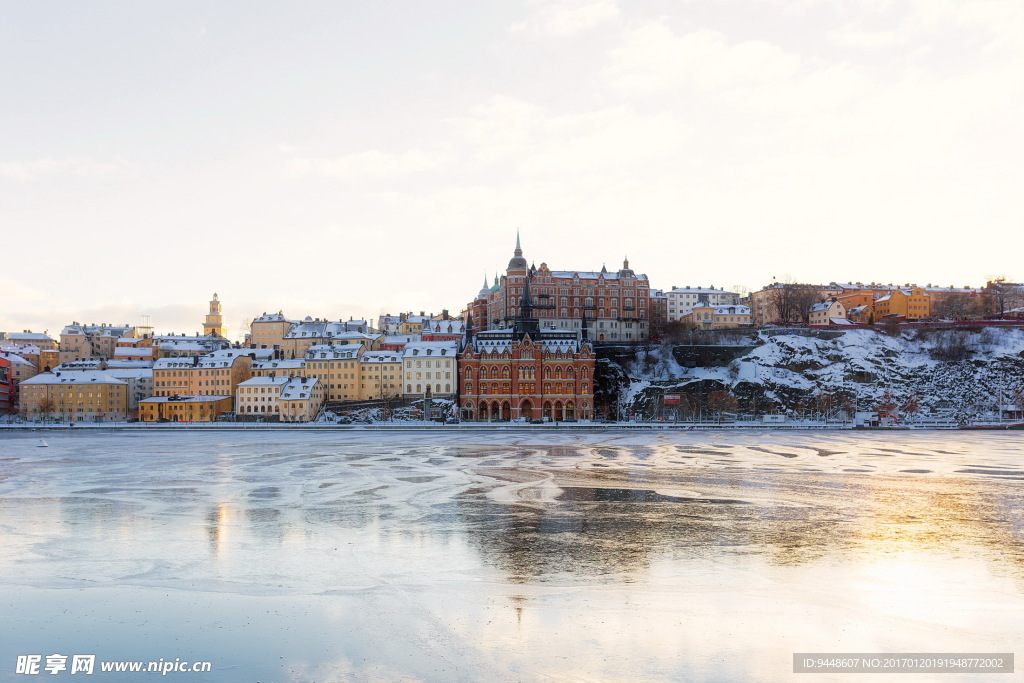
(716, 404)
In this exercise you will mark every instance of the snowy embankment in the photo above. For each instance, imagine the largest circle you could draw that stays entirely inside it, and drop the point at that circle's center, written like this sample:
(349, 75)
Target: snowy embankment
(961, 373)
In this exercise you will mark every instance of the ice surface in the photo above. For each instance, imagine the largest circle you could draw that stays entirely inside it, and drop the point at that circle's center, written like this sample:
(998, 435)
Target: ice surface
(306, 556)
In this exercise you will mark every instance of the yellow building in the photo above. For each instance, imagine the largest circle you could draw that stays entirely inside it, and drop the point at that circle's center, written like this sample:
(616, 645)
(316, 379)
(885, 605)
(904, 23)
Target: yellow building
(912, 304)
(215, 374)
(85, 342)
(84, 395)
(184, 408)
(380, 374)
(826, 312)
(717, 317)
(301, 399)
(292, 367)
(337, 368)
(40, 340)
(308, 333)
(214, 324)
(269, 330)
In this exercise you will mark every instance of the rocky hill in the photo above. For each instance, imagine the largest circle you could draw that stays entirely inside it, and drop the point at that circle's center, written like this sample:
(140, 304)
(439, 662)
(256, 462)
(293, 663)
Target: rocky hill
(959, 373)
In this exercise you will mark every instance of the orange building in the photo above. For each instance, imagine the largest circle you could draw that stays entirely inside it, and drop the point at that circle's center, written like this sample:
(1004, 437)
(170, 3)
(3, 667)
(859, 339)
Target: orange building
(912, 304)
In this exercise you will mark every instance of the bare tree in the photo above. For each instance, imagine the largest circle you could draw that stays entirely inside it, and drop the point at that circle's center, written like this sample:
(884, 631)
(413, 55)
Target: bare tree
(791, 302)
(911, 406)
(823, 402)
(887, 404)
(960, 306)
(1007, 296)
(722, 402)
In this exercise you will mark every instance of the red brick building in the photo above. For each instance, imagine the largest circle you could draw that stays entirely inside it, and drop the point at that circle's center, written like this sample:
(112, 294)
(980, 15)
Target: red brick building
(7, 387)
(613, 306)
(518, 372)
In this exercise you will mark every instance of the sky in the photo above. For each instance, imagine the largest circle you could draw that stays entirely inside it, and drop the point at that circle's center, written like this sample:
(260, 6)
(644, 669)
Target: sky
(340, 159)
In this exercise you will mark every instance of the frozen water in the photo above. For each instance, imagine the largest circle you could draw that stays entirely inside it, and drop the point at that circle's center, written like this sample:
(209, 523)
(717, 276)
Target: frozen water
(319, 556)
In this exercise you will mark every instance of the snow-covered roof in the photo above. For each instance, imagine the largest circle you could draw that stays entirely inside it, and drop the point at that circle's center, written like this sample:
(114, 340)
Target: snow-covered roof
(76, 365)
(430, 348)
(133, 352)
(273, 318)
(116, 331)
(319, 351)
(21, 349)
(733, 309)
(28, 337)
(77, 377)
(699, 290)
(130, 373)
(227, 357)
(319, 329)
(174, 363)
(299, 389)
(443, 327)
(129, 363)
(591, 275)
(839, 321)
(381, 357)
(272, 364)
(400, 338)
(551, 339)
(15, 359)
(264, 382)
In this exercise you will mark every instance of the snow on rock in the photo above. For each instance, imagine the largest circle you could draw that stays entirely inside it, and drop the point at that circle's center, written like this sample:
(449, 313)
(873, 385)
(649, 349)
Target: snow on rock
(962, 371)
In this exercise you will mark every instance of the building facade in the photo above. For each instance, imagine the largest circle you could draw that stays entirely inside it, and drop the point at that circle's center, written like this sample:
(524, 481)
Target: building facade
(681, 300)
(213, 326)
(184, 408)
(301, 399)
(82, 395)
(512, 374)
(613, 306)
(433, 365)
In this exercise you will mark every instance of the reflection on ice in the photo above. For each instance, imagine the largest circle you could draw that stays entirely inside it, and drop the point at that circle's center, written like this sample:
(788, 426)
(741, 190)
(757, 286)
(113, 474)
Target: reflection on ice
(438, 556)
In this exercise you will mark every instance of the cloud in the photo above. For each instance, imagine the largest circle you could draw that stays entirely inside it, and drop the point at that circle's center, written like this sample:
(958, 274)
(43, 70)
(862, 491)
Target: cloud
(34, 170)
(369, 164)
(562, 18)
(652, 61)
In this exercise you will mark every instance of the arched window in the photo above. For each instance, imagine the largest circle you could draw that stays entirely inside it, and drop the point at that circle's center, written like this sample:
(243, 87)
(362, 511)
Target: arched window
(547, 373)
(504, 372)
(558, 372)
(447, 388)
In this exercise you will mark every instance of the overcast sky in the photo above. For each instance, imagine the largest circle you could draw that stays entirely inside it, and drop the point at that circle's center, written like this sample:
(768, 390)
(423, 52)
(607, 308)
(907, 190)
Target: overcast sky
(341, 159)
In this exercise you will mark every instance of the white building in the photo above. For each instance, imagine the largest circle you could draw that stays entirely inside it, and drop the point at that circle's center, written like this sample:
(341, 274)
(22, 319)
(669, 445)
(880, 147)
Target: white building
(682, 300)
(260, 396)
(430, 364)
